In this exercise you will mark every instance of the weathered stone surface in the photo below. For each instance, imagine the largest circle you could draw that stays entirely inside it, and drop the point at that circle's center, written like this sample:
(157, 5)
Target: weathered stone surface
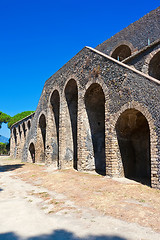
(95, 108)
(136, 35)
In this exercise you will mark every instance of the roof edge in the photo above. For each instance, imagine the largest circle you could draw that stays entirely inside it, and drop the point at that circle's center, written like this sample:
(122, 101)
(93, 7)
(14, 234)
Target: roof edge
(22, 119)
(141, 50)
(124, 65)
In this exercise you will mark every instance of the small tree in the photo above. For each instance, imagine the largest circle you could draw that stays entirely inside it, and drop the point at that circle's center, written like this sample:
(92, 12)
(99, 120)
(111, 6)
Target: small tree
(4, 118)
(3, 148)
(18, 117)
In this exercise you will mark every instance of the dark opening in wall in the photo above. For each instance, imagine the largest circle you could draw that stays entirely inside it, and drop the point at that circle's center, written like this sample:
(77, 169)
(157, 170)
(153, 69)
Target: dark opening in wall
(121, 52)
(42, 125)
(15, 135)
(71, 94)
(19, 130)
(32, 152)
(134, 142)
(24, 130)
(95, 107)
(55, 103)
(154, 66)
(29, 125)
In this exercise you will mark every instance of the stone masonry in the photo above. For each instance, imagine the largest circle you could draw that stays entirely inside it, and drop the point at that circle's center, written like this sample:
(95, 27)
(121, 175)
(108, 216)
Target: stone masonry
(100, 112)
(19, 132)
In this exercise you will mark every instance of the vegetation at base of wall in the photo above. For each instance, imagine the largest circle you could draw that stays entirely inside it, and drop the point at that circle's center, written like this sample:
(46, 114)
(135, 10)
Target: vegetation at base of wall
(18, 117)
(4, 148)
(4, 118)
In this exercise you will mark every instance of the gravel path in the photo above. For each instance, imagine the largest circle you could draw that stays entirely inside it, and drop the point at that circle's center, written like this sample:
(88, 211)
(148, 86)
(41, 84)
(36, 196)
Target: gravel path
(26, 216)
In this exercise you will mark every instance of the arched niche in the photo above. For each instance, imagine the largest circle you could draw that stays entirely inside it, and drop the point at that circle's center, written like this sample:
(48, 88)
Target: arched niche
(29, 124)
(15, 135)
(42, 125)
(133, 136)
(41, 139)
(154, 66)
(95, 108)
(24, 129)
(32, 152)
(121, 52)
(71, 95)
(54, 126)
(19, 130)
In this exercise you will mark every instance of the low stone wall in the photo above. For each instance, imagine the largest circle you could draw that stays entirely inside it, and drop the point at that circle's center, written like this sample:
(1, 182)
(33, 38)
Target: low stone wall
(19, 132)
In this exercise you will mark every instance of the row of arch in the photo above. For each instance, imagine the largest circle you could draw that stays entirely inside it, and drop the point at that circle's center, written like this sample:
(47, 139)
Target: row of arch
(22, 129)
(132, 132)
(123, 51)
(18, 138)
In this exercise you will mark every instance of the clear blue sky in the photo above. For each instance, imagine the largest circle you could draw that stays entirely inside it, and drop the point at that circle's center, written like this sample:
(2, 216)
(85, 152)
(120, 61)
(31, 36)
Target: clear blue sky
(37, 37)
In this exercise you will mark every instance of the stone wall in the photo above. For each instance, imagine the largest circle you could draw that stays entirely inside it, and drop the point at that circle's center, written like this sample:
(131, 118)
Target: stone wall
(81, 105)
(19, 132)
(142, 59)
(136, 35)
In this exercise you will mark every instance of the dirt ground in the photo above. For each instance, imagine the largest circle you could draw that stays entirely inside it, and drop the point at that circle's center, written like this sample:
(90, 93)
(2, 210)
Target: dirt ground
(89, 205)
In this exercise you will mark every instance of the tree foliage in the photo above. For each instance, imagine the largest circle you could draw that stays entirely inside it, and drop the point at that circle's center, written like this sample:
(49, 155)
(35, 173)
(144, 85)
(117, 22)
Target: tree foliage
(3, 148)
(18, 117)
(4, 118)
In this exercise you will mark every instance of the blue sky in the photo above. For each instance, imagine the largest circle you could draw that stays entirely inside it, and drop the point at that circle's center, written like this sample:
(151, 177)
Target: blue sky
(37, 37)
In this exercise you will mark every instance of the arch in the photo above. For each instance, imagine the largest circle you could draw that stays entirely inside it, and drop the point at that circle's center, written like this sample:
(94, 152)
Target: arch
(71, 77)
(42, 125)
(71, 96)
(29, 124)
(41, 138)
(55, 107)
(32, 152)
(95, 107)
(19, 130)
(15, 135)
(133, 135)
(121, 52)
(149, 57)
(100, 82)
(24, 129)
(154, 66)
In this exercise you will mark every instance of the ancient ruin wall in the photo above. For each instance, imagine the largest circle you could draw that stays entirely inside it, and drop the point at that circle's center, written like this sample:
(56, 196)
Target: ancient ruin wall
(96, 76)
(136, 35)
(19, 132)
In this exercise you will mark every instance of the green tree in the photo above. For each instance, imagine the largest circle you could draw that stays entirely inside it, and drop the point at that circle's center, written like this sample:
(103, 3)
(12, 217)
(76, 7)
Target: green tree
(18, 117)
(3, 148)
(4, 118)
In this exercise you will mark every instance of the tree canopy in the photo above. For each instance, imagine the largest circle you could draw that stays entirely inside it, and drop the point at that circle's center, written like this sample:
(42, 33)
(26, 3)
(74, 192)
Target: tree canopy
(18, 117)
(4, 148)
(4, 118)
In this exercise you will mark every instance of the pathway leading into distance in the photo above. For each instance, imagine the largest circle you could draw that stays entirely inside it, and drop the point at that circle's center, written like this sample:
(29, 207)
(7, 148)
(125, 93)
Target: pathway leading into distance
(22, 216)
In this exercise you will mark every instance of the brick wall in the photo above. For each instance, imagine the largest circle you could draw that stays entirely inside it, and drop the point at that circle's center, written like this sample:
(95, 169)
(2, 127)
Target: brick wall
(122, 88)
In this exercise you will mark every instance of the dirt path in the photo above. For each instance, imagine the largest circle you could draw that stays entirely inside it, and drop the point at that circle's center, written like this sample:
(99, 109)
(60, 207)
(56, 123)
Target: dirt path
(29, 211)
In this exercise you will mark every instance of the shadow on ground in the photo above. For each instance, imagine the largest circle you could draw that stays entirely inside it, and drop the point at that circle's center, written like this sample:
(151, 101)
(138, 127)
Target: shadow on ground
(58, 235)
(7, 168)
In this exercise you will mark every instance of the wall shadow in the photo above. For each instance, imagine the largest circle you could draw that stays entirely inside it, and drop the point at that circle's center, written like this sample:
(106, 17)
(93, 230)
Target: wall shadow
(59, 235)
(7, 168)
(95, 108)
(71, 94)
(133, 136)
(55, 103)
